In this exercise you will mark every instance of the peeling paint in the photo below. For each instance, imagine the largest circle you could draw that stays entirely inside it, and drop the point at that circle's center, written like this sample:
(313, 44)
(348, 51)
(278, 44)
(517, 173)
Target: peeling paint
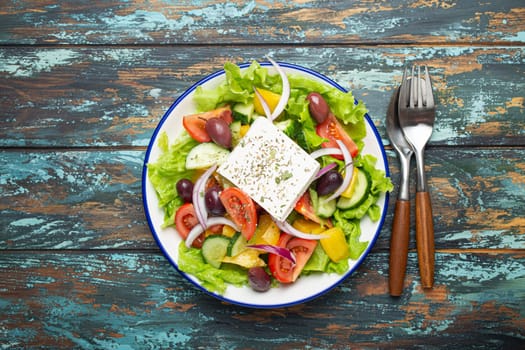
(217, 13)
(79, 266)
(155, 92)
(27, 222)
(43, 61)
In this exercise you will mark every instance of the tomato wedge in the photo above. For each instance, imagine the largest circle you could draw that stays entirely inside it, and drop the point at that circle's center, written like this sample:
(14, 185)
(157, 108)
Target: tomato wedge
(195, 123)
(282, 268)
(305, 207)
(185, 220)
(332, 130)
(241, 209)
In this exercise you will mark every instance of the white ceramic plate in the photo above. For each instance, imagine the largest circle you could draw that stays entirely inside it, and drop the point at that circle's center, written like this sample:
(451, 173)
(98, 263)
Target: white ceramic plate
(306, 287)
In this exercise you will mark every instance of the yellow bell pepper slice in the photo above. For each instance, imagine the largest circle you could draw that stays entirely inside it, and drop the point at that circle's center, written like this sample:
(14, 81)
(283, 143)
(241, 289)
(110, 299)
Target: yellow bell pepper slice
(307, 226)
(228, 231)
(335, 245)
(271, 98)
(351, 186)
(247, 258)
(244, 130)
(266, 232)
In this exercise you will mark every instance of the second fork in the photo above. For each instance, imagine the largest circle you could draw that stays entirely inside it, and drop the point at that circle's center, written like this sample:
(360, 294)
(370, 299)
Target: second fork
(416, 116)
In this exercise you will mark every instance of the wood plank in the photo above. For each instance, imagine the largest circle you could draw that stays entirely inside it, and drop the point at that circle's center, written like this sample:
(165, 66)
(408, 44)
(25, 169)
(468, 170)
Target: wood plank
(73, 200)
(282, 22)
(92, 199)
(76, 97)
(101, 300)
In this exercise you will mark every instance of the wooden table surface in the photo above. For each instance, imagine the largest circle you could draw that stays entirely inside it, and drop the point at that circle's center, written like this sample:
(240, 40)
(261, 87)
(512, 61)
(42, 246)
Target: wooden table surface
(83, 85)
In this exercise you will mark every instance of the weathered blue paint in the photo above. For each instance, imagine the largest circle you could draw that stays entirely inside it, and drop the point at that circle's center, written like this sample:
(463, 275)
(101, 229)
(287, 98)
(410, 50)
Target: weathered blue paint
(78, 266)
(99, 309)
(43, 61)
(80, 186)
(280, 22)
(110, 182)
(124, 106)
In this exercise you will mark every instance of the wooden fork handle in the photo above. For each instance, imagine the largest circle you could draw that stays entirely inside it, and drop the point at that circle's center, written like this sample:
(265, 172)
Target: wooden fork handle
(399, 247)
(425, 239)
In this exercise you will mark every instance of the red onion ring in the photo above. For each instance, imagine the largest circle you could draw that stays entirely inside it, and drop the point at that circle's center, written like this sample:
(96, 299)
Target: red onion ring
(285, 95)
(273, 249)
(286, 227)
(264, 105)
(193, 234)
(198, 195)
(349, 171)
(198, 229)
(325, 170)
(325, 152)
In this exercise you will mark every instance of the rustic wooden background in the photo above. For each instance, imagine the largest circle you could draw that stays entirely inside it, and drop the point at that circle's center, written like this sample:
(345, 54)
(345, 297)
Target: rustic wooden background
(84, 83)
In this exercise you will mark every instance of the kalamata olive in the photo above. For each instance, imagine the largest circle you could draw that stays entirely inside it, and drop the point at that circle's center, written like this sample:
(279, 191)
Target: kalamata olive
(259, 280)
(213, 202)
(185, 189)
(219, 132)
(318, 107)
(329, 182)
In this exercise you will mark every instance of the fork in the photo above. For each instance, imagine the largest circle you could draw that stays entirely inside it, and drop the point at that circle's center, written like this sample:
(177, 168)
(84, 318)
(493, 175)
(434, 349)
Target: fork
(416, 116)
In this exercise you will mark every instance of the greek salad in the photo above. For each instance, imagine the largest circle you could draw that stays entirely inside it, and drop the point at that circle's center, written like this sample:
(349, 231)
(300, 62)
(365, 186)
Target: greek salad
(234, 233)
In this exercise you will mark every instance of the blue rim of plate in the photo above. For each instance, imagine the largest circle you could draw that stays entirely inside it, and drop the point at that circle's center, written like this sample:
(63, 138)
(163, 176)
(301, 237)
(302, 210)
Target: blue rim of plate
(174, 263)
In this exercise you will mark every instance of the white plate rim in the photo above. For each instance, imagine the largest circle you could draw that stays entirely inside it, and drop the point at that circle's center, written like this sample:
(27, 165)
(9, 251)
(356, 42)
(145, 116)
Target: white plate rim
(384, 199)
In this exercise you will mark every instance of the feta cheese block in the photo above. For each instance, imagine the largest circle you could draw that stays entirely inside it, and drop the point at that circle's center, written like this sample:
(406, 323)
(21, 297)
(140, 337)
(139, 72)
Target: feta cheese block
(270, 167)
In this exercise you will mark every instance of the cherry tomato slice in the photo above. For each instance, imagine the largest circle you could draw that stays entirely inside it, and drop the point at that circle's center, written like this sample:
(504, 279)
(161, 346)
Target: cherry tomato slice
(305, 207)
(241, 209)
(185, 220)
(195, 124)
(332, 130)
(282, 268)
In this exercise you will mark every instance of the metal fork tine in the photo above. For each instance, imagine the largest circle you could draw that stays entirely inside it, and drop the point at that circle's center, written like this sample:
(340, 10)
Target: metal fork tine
(429, 96)
(404, 90)
(413, 87)
(419, 88)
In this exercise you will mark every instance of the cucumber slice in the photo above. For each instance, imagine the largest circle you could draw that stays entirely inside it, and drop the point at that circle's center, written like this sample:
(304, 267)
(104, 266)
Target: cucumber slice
(204, 155)
(322, 207)
(237, 244)
(362, 187)
(318, 261)
(235, 128)
(214, 249)
(243, 112)
(325, 208)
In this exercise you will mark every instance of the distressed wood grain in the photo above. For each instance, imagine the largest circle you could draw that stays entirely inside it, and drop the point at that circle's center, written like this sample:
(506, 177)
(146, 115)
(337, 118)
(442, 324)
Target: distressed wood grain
(272, 22)
(83, 84)
(72, 200)
(92, 199)
(78, 97)
(105, 300)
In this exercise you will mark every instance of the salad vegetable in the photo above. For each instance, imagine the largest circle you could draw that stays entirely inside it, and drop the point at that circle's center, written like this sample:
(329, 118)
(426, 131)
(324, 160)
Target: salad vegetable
(228, 238)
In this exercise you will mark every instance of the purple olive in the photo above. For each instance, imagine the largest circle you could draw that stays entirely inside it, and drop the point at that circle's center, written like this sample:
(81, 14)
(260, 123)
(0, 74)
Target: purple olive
(219, 131)
(329, 182)
(318, 107)
(213, 202)
(258, 279)
(185, 189)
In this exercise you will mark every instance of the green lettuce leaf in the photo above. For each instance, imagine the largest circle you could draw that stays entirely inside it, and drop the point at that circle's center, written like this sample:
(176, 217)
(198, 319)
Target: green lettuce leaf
(237, 87)
(169, 168)
(352, 231)
(380, 184)
(213, 279)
